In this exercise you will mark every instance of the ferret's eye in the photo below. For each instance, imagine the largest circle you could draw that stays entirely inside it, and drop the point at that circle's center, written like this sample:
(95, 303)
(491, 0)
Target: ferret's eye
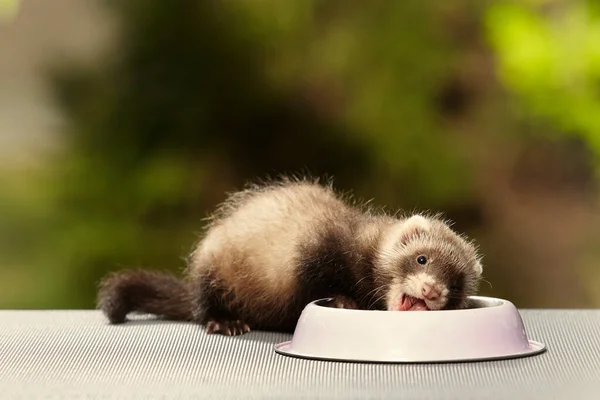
(422, 260)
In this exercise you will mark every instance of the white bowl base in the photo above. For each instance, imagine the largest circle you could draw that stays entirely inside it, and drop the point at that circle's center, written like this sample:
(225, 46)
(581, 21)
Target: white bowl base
(536, 348)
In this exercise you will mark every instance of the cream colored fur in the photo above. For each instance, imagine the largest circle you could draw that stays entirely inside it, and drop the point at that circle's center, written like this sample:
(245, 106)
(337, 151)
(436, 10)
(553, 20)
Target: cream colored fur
(252, 240)
(254, 246)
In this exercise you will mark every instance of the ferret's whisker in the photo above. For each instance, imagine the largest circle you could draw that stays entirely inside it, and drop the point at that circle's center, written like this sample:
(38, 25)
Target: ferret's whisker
(379, 298)
(488, 282)
(374, 292)
(360, 280)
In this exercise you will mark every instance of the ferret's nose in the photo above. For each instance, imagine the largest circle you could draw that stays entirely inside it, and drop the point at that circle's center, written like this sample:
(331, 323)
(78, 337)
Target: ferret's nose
(430, 292)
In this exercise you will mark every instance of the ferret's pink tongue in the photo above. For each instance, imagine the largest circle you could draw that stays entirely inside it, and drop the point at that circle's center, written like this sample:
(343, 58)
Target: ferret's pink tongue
(410, 303)
(419, 306)
(406, 304)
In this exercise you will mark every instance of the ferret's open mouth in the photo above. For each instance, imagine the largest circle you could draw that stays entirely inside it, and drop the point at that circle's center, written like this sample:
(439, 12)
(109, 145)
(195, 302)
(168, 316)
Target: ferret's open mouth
(410, 303)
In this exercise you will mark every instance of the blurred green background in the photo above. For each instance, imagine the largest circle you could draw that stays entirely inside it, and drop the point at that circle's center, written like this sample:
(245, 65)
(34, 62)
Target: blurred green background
(487, 111)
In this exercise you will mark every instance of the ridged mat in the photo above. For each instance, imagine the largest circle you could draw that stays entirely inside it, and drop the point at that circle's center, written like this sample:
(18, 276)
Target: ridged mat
(76, 354)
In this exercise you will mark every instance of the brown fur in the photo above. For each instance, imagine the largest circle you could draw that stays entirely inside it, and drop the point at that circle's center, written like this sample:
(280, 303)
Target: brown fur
(272, 248)
(252, 246)
(144, 291)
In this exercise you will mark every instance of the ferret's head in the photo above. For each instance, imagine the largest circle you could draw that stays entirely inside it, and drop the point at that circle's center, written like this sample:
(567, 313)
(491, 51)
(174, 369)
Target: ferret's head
(428, 265)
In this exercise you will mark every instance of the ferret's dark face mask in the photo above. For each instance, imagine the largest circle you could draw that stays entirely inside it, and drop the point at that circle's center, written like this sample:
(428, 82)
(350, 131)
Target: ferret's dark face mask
(431, 267)
(428, 280)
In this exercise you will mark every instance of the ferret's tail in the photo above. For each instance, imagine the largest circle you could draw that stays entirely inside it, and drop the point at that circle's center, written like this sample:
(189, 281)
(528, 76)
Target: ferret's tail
(144, 291)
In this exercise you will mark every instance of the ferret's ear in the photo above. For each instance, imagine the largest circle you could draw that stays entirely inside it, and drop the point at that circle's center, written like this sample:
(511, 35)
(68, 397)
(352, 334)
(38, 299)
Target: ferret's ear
(413, 226)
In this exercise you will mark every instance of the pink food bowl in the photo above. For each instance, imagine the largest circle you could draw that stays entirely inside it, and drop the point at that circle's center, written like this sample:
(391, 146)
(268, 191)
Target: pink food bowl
(489, 329)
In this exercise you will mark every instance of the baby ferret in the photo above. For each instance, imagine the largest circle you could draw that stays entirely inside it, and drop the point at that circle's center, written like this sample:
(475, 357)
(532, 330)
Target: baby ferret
(274, 247)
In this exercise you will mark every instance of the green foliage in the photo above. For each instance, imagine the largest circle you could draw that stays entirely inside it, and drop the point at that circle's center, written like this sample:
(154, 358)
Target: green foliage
(197, 97)
(551, 61)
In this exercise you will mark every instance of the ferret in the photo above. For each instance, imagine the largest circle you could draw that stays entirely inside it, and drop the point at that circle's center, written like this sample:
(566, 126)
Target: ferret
(275, 246)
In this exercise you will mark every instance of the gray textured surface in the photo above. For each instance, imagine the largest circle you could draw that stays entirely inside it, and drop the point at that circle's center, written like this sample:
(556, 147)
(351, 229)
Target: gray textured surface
(75, 354)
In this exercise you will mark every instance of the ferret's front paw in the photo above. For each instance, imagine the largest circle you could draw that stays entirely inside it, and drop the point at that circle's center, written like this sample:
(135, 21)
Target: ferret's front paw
(227, 328)
(344, 302)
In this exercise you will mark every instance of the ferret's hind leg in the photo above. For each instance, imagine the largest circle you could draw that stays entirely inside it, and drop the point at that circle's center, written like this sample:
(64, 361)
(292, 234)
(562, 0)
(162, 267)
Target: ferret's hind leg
(212, 310)
(226, 327)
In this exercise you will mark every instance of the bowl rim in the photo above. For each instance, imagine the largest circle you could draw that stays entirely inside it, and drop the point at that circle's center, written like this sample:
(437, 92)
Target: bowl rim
(492, 301)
